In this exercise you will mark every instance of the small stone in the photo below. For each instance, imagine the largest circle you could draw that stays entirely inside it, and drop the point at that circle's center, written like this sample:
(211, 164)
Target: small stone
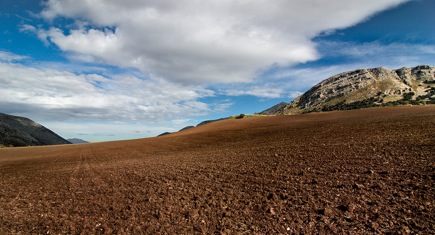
(406, 230)
(271, 211)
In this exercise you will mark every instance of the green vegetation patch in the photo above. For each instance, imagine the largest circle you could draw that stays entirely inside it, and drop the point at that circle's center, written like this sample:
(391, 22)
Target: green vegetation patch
(429, 98)
(335, 101)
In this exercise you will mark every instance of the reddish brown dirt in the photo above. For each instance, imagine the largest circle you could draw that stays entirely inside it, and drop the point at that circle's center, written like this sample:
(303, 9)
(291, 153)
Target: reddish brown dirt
(355, 172)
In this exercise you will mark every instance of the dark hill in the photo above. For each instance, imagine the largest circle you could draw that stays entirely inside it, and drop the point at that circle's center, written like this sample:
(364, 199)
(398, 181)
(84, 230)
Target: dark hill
(20, 131)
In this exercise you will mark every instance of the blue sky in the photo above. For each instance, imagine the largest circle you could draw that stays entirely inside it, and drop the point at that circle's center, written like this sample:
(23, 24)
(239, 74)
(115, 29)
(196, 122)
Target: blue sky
(110, 70)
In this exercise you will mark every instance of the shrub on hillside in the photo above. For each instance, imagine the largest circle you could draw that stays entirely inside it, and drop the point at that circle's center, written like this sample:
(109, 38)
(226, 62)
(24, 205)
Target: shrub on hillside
(240, 116)
(408, 96)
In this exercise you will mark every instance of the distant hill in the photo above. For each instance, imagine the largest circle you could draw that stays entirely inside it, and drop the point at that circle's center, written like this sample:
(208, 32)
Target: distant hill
(165, 133)
(77, 141)
(200, 124)
(20, 131)
(367, 88)
(186, 128)
(210, 121)
(274, 109)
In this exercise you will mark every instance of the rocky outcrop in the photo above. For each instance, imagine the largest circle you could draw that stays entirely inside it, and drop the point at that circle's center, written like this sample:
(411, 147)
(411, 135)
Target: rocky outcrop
(20, 131)
(367, 87)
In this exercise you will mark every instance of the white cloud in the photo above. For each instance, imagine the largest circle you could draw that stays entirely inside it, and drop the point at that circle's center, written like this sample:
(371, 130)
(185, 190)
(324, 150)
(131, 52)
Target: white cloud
(220, 41)
(393, 55)
(105, 131)
(9, 57)
(48, 93)
(375, 48)
(27, 28)
(92, 42)
(261, 92)
(301, 79)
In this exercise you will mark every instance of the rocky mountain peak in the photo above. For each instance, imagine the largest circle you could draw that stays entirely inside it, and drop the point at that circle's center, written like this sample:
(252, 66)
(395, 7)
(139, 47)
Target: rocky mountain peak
(377, 86)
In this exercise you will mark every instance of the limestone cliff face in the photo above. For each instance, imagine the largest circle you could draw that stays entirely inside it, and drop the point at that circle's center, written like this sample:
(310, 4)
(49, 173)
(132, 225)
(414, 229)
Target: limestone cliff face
(377, 85)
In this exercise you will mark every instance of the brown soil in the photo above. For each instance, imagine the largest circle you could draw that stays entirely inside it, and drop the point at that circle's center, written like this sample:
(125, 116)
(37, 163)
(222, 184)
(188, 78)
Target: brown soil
(355, 172)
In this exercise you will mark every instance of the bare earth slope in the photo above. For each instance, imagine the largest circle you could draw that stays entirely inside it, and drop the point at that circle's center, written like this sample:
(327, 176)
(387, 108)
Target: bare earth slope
(359, 171)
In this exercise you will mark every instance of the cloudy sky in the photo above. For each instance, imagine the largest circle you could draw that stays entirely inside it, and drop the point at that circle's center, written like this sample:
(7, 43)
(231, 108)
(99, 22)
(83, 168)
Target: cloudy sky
(108, 69)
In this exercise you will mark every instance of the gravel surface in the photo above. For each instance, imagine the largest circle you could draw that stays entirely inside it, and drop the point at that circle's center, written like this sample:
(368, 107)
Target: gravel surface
(353, 172)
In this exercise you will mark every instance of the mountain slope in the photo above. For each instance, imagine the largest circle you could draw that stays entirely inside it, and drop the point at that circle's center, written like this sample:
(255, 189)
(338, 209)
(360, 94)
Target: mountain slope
(20, 131)
(77, 141)
(272, 110)
(367, 88)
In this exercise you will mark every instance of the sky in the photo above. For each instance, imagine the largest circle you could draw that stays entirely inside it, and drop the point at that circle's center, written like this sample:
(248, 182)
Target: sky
(105, 70)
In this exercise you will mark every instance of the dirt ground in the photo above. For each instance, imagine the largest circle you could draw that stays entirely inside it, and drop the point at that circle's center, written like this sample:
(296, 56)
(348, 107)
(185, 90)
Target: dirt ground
(352, 172)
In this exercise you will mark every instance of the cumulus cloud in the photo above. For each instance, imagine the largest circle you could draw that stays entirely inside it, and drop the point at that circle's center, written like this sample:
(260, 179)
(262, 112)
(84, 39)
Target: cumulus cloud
(219, 41)
(52, 94)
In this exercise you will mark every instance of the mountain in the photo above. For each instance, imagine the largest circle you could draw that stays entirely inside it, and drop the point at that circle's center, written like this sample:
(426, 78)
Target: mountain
(77, 141)
(368, 88)
(272, 110)
(20, 131)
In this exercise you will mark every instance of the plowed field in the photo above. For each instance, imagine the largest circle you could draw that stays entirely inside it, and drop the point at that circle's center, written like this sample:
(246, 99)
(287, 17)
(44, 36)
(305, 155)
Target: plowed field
(356, 172)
